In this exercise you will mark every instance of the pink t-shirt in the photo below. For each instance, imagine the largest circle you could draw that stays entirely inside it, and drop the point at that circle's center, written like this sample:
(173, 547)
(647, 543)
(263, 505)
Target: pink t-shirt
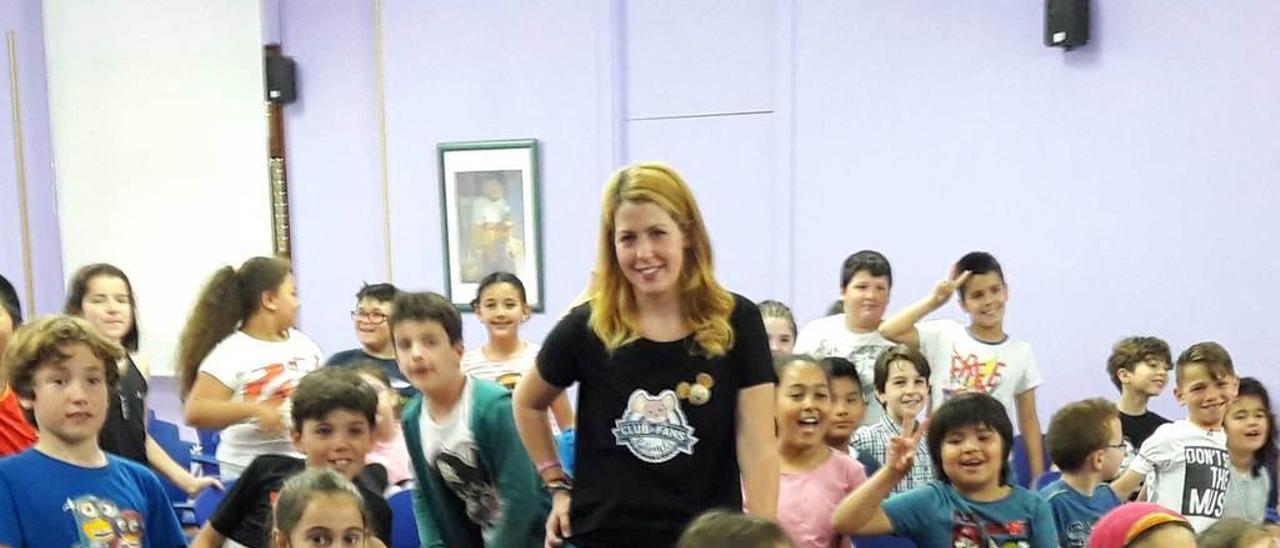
(807, 500)
(394, 456)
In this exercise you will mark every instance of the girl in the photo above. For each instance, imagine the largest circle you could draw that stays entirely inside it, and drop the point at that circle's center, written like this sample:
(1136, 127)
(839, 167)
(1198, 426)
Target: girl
(1250, 429)
(102, 294)
(970, 504)
(780, 325)
(389, 450)
(675, 391)
(725, 529)
(319, 507)
(815, 477)
(501, 306)
(240, 357)
(16, 432)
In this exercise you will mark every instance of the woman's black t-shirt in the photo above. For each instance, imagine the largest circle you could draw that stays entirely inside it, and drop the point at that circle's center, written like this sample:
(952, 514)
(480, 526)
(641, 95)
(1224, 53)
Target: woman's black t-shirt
(651, 452)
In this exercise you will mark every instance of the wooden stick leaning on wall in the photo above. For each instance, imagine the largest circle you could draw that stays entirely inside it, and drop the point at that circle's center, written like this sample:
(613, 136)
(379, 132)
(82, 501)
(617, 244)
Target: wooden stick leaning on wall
(20, 166)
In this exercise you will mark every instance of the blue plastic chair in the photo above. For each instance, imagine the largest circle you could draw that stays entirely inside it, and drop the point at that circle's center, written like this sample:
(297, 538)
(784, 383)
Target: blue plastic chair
(883, 541)
(564, 449)
(1022, 465)
(1047, 478)
(404, 527)
(166, 435)
(207, 454)
(207, 502)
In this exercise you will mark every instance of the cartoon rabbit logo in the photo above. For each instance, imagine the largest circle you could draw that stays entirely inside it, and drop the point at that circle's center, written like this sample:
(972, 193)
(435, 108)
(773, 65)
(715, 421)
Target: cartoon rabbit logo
(654, 428)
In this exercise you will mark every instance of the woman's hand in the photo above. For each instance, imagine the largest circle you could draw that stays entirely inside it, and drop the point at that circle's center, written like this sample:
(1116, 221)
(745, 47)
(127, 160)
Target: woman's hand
(558, 519)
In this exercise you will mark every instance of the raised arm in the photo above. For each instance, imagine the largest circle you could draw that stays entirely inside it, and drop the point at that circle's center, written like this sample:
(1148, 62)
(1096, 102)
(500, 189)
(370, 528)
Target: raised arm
(901, 327)
(861, 513)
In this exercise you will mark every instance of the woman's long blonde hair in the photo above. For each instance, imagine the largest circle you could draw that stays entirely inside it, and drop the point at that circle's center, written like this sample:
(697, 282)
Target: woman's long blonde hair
(705, 303)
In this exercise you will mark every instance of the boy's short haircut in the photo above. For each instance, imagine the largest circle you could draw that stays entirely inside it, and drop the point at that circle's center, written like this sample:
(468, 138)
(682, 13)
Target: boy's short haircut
(1232, 532)
(1131, 351)
(841, 368)
(382, 292)
(44, 340)
(1209, 354)
(727, 529)
(330, 388)
(427, 307)
(1079, 429)
(893, 354)
(873, 262)
(9, 301)
(969, 409)
(978, 262)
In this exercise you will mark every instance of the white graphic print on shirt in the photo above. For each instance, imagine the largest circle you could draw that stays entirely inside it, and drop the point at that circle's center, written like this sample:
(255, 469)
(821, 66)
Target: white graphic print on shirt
(654, 428)
(1204, 489)
(471, 483)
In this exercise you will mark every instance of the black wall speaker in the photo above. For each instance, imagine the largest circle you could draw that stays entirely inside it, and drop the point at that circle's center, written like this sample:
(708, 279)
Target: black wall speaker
(282, 84)
(1066, 23)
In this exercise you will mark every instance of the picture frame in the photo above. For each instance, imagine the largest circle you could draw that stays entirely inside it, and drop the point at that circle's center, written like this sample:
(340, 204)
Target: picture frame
(490, 199)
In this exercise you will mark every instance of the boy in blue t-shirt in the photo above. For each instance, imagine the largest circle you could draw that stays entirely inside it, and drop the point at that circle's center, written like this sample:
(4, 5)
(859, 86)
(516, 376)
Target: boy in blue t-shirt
(1086, 443)
(970, 504)
(65, 491)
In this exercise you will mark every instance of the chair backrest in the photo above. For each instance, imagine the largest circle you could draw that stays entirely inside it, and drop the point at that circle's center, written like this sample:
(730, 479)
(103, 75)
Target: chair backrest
(208, 500)
(1022, 465)
(883, 541)
(1047, 478)
(564, 449)
(167, 437)
(404, 528)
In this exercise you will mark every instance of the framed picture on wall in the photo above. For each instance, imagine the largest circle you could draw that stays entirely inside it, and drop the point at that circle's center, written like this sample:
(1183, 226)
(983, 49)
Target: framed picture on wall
(489, 193)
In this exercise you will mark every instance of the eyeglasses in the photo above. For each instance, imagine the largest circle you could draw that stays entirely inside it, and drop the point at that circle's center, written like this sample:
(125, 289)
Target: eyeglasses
(1120, 445)
(371, 317)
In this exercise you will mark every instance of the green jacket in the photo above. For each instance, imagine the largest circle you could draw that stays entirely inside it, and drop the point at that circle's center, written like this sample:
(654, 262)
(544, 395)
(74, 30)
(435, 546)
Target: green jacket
(442, 518)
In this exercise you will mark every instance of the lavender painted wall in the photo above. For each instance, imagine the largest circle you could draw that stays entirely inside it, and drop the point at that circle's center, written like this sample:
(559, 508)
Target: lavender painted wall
(24, 18)
(1124, 185)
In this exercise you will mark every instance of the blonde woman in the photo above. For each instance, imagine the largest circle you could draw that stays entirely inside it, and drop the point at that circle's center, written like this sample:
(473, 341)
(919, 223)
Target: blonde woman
(675, 398)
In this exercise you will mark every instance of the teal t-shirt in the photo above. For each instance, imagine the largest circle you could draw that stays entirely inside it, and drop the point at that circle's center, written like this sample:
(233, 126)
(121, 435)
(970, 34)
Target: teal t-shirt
(936, 515)
(1075, 513)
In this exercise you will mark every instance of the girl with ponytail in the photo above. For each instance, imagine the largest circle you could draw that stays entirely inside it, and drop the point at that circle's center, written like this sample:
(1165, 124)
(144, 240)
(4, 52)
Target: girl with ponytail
(240, 358)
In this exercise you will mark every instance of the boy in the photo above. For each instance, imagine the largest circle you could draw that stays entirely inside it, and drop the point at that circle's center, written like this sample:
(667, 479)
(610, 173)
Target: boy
(1139, 368)
(1186, 461)
(847, 406)
(476, 484)
(902, 386)
(979, 357)
(65, 491)
(16, 433)
(865, 281)
(1085, 442)
(373, 309)
(333, 416)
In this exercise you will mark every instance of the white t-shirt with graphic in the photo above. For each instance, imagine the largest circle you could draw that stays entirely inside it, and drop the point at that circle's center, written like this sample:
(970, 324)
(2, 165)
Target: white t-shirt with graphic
(830, 337)
(507, 373)
(961, 363)
(449, 446)
(258, 371)
(1188, 470)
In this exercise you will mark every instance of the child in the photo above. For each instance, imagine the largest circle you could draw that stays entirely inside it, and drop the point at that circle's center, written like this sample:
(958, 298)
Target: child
(980, 357)
(65, 491)
(16, 432)
(970, 505)
(847, 406)
(865, 281)
(333, 414)
(1085, 442)
(476, 485)
(902, 386)
(319, 507)
(1142, 525)
(1250, 429)
(501, 305)
(373, 309)
(240, 357)
(389, 450)
(102, 294)
(1187, 461)
(814, 477)
(1139, 368)
(725, 529)
(1236, 533)
(780, 324)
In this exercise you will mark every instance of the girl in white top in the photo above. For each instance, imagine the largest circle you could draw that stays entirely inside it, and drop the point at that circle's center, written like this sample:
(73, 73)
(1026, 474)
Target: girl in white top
(240, 358)
(501, 306)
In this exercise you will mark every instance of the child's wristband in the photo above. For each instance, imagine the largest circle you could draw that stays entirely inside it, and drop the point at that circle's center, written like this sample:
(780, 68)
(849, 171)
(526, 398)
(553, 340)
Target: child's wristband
(547, 465)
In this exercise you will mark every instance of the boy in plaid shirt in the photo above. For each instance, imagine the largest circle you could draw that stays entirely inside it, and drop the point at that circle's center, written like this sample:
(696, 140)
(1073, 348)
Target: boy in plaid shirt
(902, 386)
